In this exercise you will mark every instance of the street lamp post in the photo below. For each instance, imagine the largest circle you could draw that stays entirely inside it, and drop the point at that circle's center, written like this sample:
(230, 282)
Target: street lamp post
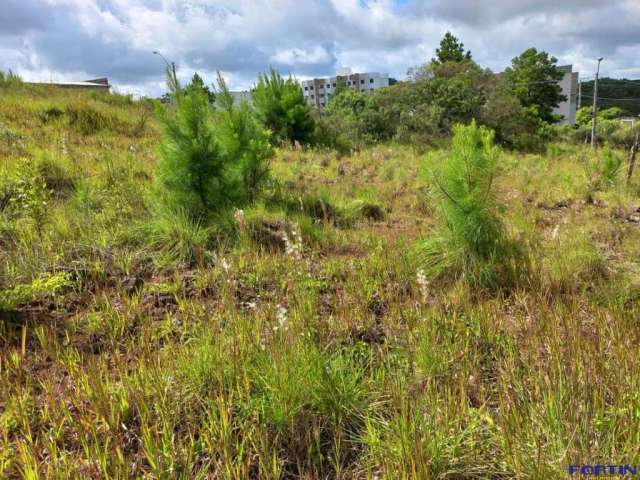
(171, 66)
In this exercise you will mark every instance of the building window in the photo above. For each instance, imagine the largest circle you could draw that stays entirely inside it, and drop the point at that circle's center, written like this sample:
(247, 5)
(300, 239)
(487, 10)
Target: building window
(322, 103)
(371, 80)
(362, 90)
(306, 88)
(334, 85)
(328, 85)
(322, 95)
(311, 87)
(312, 95)
(362, 82)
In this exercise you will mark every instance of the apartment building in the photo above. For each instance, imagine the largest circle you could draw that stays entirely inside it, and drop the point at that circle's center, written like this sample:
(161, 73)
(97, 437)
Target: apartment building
(569, 85)
(318, 91)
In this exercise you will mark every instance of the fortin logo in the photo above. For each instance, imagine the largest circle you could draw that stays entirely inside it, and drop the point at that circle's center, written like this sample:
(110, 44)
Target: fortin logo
(604, 471)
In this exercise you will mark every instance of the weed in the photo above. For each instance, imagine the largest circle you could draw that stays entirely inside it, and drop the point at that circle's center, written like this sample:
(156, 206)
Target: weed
(27, 293)
(178, 236)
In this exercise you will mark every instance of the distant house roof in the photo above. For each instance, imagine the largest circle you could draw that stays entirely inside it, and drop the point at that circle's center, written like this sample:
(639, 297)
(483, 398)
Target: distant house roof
(97, 84)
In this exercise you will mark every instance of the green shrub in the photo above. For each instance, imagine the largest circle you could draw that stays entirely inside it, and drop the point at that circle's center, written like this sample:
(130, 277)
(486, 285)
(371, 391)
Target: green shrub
(86, 119)
(179, 237)
(515, 126)
(12, 143)
(624, 136)
(337, 131)
(349, 121)
(115, 99)
(319, 207)
(469, 241)
(57, 172)
(50, 114)
(27, 196)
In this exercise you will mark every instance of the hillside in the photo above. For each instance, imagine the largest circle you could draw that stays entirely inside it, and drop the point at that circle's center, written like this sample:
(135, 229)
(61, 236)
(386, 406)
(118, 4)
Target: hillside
(613, 92)
(307, 344)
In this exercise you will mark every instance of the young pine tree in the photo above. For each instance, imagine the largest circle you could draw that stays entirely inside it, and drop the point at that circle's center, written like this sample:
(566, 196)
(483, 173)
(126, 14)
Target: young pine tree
(244, 140)
(198, 83)
(470, 241)
(281, 107)
(193, 173)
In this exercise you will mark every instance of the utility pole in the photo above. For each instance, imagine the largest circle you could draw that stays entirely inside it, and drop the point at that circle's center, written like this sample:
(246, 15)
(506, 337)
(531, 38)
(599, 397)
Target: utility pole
(632, 156)
(594, 111)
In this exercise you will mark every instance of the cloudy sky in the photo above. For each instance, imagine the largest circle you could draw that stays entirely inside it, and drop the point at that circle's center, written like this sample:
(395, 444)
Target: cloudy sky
(79, 39)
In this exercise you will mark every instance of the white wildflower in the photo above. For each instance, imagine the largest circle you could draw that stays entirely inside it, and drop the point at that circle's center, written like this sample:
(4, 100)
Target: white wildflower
(281, 317)
(423, 284)
(238, 215)
(293, 244)
(225, 265)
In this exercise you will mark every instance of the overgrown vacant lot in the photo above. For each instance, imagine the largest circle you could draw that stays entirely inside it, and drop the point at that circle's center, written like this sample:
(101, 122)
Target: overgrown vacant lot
(302, 340)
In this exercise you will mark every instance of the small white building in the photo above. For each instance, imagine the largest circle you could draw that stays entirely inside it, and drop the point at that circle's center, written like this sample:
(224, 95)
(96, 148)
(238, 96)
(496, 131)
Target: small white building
(318, 91)
(569, 85)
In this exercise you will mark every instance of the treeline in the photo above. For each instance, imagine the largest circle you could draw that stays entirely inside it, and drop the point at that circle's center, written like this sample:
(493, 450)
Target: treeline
(449, 89)
(613, 92)
(518, 105)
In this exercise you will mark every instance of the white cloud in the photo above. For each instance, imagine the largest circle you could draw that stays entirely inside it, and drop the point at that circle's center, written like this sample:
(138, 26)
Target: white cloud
(294, 56)
(89, 38)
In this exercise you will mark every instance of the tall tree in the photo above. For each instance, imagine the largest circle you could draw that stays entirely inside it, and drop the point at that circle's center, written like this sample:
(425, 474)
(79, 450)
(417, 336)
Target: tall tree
(451, 50)
(534, 79)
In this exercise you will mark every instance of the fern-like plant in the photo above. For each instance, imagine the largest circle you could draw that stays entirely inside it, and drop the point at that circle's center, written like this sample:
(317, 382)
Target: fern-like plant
(469, 241)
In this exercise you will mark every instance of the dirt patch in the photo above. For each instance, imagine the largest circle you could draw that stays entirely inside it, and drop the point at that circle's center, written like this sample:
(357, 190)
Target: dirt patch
(157, 305)
(373, 212)
(559, 205)
(626, 215)
(270, 235)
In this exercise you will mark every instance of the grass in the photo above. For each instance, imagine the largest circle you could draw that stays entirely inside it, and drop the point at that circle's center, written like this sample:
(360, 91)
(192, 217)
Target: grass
(155, 350)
